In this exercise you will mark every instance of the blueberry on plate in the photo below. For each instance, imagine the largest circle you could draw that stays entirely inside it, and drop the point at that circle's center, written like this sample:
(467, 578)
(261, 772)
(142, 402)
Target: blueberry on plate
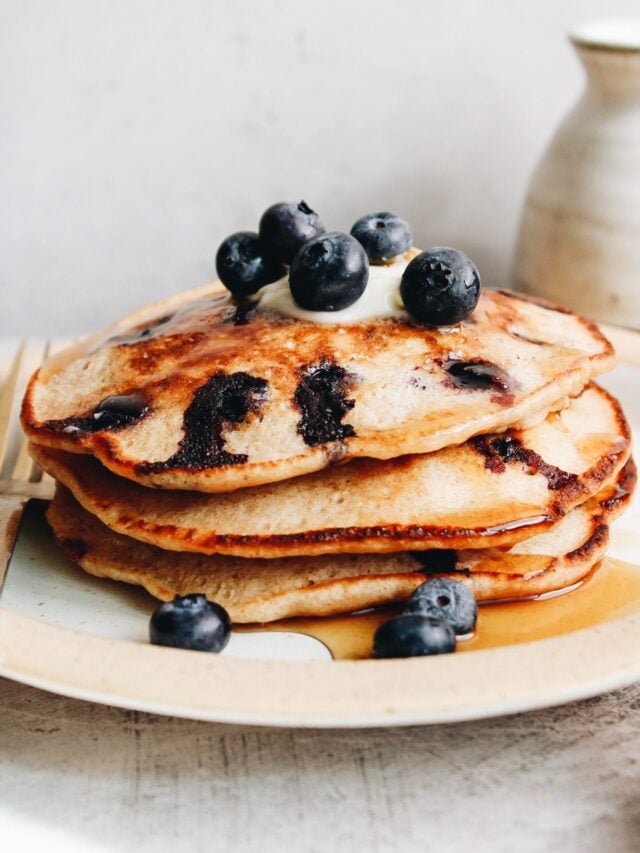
(190, 622)
(413, 635)
(284, 227)
(329, 273)
(448, 600)
(440, 287)
(382, 235)
(243, 266)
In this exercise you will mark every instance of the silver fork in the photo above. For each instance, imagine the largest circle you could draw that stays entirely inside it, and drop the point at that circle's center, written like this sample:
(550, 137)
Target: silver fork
(20, 478)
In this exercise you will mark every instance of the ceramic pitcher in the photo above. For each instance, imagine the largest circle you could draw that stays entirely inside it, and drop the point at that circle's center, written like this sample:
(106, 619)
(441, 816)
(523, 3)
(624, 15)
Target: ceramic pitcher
(579, 238)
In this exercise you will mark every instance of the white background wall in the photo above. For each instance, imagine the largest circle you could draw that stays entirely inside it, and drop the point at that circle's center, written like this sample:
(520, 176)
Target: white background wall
(136, 134)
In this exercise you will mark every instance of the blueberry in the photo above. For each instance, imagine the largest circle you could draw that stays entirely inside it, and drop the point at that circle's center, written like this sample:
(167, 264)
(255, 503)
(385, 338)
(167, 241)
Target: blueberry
(445, 599)
(382, 235)
(329, 273)
(440, 287)
(243, 266)
(413, 635)
(190, 622)
(284, 227)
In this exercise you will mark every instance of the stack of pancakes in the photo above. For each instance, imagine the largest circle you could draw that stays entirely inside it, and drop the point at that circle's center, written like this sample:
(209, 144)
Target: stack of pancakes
(286, 468)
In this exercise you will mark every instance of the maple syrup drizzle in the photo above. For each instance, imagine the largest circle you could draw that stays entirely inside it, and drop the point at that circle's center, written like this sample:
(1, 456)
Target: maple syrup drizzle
(611, 591)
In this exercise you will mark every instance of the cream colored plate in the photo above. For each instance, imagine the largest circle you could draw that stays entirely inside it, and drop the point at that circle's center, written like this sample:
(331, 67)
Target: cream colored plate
(66, 632)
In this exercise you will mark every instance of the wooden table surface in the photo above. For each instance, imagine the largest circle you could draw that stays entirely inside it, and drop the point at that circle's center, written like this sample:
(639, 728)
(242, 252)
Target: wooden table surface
(97, 778)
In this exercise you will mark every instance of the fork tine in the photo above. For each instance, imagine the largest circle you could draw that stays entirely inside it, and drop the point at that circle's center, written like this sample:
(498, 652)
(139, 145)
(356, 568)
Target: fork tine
(7, 397)
(25, 469)
(13, 451)
(24, 466)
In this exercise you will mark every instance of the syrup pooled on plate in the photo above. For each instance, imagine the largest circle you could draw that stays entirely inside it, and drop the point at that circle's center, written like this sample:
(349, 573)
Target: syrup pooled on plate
(611, 591)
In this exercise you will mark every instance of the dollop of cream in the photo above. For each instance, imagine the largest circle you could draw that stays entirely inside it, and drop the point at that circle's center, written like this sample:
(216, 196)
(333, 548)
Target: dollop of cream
(381, 298)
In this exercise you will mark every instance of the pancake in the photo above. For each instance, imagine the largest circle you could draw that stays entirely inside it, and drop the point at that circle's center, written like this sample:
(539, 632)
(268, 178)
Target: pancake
(268, 590)
(221, 396)
(492, 490)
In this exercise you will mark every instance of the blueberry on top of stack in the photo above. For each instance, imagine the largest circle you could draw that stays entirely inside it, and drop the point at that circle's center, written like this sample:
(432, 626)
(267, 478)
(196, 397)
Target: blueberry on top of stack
(329, 271)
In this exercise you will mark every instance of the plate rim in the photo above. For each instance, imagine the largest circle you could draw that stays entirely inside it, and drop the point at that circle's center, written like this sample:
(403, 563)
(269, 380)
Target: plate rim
(453, 688)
